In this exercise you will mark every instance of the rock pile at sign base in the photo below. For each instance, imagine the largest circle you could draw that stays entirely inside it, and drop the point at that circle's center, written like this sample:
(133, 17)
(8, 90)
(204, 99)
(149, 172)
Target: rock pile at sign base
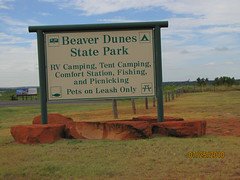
(33, 134)
(140, 127)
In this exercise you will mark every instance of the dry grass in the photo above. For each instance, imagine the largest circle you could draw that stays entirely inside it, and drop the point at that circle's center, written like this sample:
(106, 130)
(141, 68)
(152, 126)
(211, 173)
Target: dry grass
(156, 158)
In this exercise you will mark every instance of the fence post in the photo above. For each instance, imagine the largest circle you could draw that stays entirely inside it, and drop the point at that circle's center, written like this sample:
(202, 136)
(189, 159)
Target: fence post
(154, 101)
(177, 93)
(115, 110)
(168, 96)
(133, 106)
(146, 102)
(181, 91)
(172, 93)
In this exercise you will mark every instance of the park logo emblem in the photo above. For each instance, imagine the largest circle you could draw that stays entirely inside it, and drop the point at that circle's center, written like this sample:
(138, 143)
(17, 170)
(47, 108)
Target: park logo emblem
(144, 37)
(56, 92)
(53, 41)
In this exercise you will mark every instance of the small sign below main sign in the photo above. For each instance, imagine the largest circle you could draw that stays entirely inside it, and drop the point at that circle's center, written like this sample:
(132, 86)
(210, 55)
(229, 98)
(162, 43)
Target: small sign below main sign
(102, 64)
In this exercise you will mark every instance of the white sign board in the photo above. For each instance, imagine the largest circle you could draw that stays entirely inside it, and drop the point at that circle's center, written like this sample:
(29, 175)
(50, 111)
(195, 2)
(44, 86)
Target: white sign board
(32, 91)
(100, 64)
(26, 91)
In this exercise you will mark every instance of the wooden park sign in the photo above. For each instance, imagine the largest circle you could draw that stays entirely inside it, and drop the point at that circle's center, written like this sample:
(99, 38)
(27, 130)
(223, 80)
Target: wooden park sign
(100, 61)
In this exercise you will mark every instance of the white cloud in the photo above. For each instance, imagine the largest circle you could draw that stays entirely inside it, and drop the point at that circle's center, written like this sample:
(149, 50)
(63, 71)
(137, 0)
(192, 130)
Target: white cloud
(211, 12)
(16, 26)
(45, 14)
(222, 29)
(195, 14)
(94, 7)
(221, 49)
(18, 53)
(229, 63)
(208, 17)
(10, 39)
(17, 22)
(116, 20)
(51, 1)
(4, 4)
(210, 64)
(19, 65)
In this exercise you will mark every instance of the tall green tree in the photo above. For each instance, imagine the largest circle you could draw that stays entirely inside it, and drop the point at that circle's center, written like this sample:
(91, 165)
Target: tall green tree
(224, 80)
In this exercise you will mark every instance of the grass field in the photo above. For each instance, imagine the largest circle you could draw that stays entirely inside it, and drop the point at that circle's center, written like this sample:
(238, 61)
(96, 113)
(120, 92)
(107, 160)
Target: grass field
(156, 158)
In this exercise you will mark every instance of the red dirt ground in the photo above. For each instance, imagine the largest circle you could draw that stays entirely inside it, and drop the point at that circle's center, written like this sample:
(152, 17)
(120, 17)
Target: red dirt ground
(223, 127)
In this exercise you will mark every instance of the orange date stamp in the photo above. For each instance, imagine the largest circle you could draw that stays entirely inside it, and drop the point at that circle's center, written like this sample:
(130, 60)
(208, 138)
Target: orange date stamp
(206, 154)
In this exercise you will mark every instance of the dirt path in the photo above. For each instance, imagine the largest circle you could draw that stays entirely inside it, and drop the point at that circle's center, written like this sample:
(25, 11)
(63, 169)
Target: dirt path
(223, 127)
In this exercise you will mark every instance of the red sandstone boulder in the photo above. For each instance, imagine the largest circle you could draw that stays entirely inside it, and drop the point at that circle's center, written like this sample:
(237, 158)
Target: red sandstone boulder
(32, 134)
(180, 129)
(139, 127)
(60, 119)
(124, 130)
(113, 130)
(87, 130)
(153, 119)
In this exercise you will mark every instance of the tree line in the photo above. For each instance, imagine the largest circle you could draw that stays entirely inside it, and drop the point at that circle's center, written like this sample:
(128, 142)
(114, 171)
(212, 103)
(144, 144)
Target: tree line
(218, 81)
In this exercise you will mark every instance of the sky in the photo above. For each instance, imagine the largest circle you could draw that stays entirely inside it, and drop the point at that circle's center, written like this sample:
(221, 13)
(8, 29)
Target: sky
(202, 40)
